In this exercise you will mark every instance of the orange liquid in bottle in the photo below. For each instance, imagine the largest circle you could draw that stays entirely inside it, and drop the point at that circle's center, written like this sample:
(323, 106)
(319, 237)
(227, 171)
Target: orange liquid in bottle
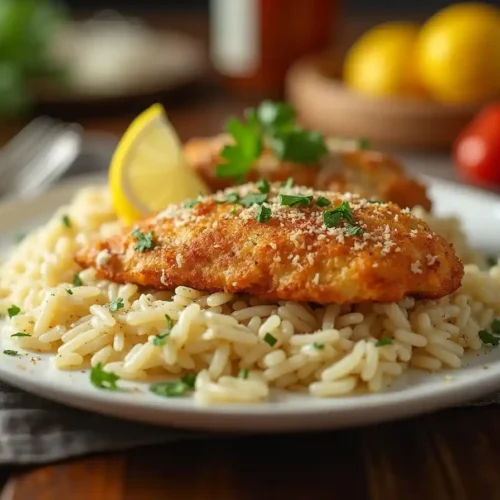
(254, 42)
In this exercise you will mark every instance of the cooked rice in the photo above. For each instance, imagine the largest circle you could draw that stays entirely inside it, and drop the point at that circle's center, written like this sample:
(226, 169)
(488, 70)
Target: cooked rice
(325, 350)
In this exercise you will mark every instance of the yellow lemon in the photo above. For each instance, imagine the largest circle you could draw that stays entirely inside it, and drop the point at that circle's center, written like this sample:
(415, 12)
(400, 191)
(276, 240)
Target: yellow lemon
(458, 53)
(148, 170)
(380, 63)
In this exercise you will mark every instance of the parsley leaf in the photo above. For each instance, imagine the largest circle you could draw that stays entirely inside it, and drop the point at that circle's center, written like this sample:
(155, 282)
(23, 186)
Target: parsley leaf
(495, 326)
(288, 183)
(66, 221)
(263, 214)
(252, 199)
(345, 209)
(354, 231)
(491, 260)
(299, 146)
(323, 202)
(10, 352)
(13, 310)
(230, 198)
(263, 186)
(246, 149)
(189, 380)
(319, 347)
(174, 388)
(274, 115)
(289, 200)
(331, 218)
(270, 339)
(103, 379)
(191, 203)
(160, 339)
(243, 373)
(383, 342)
(488, 338)
(77, 281)
(116, 304)
(21, 334)
(145, 241)
(69, 291)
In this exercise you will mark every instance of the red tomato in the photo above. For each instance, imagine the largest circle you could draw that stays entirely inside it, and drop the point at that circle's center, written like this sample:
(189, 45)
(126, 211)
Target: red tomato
(476, 151)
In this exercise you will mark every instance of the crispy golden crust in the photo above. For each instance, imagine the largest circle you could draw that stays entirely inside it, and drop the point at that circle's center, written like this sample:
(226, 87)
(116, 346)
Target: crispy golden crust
(368, 173)
(294, 256)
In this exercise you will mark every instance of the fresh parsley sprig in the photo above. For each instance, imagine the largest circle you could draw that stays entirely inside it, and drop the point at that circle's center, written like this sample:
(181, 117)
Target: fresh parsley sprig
(274, 124)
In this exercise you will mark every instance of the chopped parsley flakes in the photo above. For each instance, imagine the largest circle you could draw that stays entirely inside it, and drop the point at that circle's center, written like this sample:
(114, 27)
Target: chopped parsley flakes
(354, 230)
(243, 373)
(491, 337)
(323, 202)
(488, 338)
(263, 186)
(263, 214)
(145, 241)
(21, 334)
(495, 326)
(116, 304)
(174, 388)
(491, 260)
(295, 200)
(103, 379)
(383, 342)
(66, 221)
(77, 281)
(10, 352)
(13, 310)
(318, 347)
(270, 339)
(69, 291)
(191, 203)
(288, 183)
(252, 199)
(160, 339)
(341, 213)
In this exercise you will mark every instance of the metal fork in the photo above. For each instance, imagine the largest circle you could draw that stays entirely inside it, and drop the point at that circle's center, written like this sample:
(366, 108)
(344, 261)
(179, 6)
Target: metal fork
(38, 156)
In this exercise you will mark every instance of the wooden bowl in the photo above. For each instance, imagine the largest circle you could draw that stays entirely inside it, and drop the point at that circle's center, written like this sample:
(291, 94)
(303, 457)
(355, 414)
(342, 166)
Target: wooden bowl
(323, 102)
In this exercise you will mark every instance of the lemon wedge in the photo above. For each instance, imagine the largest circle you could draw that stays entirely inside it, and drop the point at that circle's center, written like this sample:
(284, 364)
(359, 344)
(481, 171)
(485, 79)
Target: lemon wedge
(148, 170)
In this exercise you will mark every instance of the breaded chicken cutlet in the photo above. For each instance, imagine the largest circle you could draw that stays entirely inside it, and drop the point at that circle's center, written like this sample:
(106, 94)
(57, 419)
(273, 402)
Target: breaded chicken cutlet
(283, 243)
(370, 174)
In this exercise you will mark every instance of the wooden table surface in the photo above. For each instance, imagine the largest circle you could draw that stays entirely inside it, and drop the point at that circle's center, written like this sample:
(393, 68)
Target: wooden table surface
(454, 454)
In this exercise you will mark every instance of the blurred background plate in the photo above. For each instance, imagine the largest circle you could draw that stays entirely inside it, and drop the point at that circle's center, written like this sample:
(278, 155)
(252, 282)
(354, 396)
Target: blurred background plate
(114, 61)
(323, 102)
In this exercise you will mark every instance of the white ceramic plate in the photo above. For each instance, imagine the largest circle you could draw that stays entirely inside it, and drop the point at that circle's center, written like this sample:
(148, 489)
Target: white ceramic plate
(414, 393)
